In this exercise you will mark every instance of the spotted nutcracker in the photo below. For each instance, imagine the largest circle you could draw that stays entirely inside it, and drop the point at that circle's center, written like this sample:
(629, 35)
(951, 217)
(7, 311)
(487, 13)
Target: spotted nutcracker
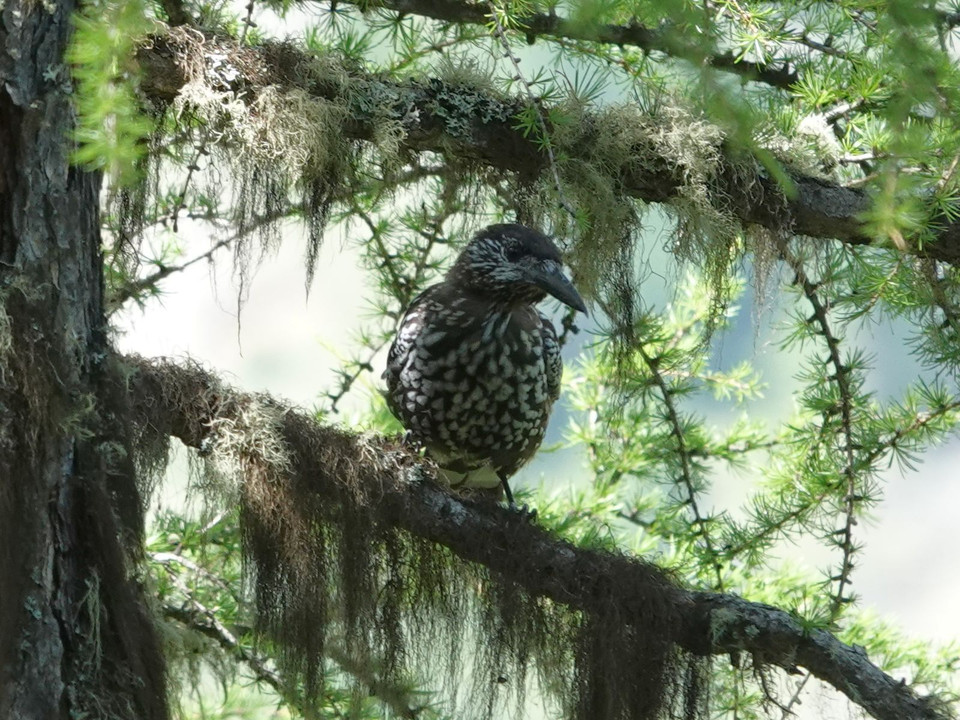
(475, 367)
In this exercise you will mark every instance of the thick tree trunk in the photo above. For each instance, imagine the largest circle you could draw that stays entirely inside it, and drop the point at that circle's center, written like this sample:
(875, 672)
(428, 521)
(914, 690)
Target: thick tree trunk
(74, 639)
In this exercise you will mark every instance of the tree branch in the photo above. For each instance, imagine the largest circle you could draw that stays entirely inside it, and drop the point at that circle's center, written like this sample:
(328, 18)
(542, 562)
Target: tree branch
(552, 25)
(775, 637)
(469, 124)
(188, 402)
(176, 13)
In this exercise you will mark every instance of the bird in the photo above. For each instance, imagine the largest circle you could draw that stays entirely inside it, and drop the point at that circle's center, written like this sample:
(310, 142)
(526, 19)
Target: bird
(474, 368)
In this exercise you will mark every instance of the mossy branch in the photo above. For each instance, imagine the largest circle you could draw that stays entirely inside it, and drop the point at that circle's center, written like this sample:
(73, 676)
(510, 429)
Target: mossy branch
(473, 125)
(191, 404)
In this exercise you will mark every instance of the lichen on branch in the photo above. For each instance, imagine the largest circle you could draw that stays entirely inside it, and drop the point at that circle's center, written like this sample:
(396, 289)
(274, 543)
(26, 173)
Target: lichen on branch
(349, 532)
(337, 549)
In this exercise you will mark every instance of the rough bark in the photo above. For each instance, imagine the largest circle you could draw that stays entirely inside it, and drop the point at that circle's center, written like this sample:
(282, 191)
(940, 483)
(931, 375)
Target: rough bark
(465, 123)
(74, 640)
(188, 403)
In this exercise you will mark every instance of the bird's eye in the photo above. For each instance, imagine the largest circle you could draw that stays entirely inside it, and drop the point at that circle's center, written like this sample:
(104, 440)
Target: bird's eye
(513, 253)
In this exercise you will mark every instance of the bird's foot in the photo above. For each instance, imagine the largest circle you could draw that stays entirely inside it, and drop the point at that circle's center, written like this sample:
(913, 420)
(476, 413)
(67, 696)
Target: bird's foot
(409, 440)
(524, 512)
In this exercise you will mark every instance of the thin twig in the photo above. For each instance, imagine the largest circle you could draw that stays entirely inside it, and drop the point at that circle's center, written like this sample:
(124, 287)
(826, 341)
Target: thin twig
(686, 472)
(436, 47)
(198, 617)
(840, 376)
(798, 514)
(247, 22)
(402, 290)
(545, 140)
(134, 288)
(192, 168)
(201, 619)
(347, 379)
(841, 109)
(787, 707)
(168, 559)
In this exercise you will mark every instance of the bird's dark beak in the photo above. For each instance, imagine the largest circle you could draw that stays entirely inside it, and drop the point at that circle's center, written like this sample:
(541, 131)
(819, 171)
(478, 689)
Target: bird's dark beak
(552, 281)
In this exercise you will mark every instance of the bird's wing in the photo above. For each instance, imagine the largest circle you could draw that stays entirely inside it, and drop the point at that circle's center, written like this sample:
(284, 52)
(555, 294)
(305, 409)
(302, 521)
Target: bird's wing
(551, 356)
(437, 320)
(407, 331)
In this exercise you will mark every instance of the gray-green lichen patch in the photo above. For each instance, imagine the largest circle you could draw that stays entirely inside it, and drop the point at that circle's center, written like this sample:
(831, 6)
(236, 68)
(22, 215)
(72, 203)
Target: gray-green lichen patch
(6, 340)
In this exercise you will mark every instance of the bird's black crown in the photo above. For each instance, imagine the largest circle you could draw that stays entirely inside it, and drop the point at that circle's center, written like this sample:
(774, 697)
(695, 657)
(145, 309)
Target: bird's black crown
(513, 263)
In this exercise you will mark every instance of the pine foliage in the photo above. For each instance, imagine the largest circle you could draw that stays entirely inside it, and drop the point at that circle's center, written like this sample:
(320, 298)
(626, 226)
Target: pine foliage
(802, 157)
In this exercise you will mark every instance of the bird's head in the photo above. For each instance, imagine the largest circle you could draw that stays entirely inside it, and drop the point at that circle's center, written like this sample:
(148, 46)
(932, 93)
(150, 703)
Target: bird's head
(514, 264)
